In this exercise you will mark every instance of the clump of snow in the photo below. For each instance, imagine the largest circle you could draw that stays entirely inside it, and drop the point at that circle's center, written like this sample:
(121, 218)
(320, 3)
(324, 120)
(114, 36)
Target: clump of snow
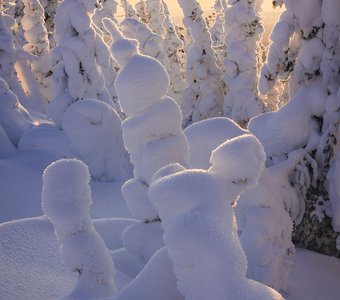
(205, 136)
(265, 230)
(141, 83)
(46, 137)
(66, 199)
(89, 123)
(297, 115)
(200, 227)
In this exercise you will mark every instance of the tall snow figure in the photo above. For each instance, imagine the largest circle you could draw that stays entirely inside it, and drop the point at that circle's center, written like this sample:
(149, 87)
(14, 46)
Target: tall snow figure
(66, 199)
(79, 74)
(142, 85)
(203, 98)
(243, 34)
(50, 8)
(195, 208)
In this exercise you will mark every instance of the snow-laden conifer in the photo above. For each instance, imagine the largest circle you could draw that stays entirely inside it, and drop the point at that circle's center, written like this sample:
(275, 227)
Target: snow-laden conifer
(50, 7)
(310, 118)
(66, 201)
(173, 48)
(33, 23)
(243, 34)
(198, 221)
(80, 74)
(203, 97)
(154, 9)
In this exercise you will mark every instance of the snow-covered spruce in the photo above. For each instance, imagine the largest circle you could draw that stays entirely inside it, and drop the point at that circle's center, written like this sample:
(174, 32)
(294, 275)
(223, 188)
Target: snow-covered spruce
(141, 11)
(195, 208)
(14, 118)
(9, 56)
(89, 123)
(15, 9)
(154, 9)
(217, 30)
(142, 85)
(66, 200)
(313, 75)
(33, 23)
(173, 46)
(79, 74)
(243, 34)
(50, 8)
(203, 98)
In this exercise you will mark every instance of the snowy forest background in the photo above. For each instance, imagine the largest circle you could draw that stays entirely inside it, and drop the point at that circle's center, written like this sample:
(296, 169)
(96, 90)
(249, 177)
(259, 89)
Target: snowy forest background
(142, 159)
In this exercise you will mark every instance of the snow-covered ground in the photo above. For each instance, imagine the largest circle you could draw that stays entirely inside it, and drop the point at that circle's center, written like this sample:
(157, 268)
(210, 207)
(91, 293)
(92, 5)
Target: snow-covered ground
(31, 263)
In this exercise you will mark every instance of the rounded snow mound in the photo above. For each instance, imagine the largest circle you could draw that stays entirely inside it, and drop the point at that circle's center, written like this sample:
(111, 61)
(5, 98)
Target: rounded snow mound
(205, 136)
(239, 160)
(124, 49)
(142, 82)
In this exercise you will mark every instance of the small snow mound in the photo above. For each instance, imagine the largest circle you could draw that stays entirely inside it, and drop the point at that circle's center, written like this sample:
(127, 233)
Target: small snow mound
(205, 136)
(239, 160)
(142, 82)
(90, 123)
(123, 50)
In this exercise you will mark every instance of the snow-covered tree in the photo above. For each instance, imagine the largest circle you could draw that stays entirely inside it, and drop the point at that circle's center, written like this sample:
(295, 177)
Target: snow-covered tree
(38, 44)
(203, 98)
(15, 9)
(174, 62)
(243, 34)
(141, 11)
(66, 201)
(310, 121)
(89, 123)
(50, 8)
(200, 230)
(154, 9)
(217, 30)
(14, 69)
(79, 74)
(142, 84)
